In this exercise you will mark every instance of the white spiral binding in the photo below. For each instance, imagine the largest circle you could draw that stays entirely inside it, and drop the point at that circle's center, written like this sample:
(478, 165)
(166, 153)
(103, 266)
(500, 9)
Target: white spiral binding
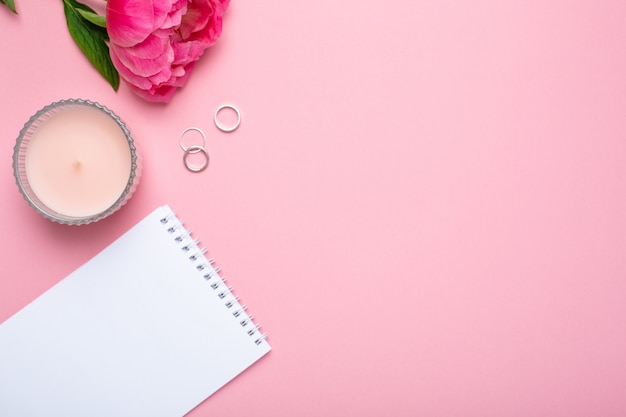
(211, 274)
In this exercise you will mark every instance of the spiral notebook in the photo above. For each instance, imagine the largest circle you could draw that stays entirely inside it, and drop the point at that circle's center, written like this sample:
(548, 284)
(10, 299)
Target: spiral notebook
(145, 328)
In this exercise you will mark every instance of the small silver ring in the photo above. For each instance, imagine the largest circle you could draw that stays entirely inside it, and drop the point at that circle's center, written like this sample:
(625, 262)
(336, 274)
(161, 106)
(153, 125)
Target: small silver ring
(221, 126)
(196, 147)
(192, 150)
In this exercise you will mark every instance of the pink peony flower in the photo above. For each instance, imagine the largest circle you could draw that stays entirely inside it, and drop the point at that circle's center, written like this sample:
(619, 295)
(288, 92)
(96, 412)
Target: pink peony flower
(154, 44)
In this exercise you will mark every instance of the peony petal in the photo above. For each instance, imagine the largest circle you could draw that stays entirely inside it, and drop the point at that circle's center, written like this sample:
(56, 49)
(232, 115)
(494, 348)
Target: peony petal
(187, 52)
(162, 10)
(151, 48)
(156, 95)
(128, 76)
(163, 77)
(144, 67)
(181, 80)
(129, 22)
(211, 31)
(163, 93)
(197, 16)
(174, 17)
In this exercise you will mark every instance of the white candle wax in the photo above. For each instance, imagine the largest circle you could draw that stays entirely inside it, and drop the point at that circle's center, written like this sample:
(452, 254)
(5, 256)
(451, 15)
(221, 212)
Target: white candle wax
(78, 162)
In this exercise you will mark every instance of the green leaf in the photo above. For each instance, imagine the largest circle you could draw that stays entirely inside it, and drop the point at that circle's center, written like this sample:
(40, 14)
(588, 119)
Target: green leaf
(94, 18)
(91, 39)
(10, 4)
(83, 8)
(90, 15)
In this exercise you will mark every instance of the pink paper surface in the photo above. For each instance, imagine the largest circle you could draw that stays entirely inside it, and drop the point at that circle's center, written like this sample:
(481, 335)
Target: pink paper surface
(424, 205)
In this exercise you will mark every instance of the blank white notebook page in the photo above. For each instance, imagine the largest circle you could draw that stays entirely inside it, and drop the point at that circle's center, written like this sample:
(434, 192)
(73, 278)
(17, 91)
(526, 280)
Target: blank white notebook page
(145, 328)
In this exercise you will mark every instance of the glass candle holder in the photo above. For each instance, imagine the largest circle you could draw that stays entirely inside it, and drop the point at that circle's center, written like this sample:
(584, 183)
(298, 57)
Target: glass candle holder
(75, 162)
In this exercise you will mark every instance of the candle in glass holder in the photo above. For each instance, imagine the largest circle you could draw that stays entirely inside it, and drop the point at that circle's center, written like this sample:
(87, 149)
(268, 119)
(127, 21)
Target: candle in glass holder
(75, 162)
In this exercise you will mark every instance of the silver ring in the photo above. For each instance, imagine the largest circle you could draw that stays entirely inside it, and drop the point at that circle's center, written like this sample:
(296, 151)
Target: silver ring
(221, 126)
(196, 147)
(192, 150)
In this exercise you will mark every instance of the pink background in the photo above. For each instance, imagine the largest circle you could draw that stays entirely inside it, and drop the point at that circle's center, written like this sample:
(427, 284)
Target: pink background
(424, 205)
